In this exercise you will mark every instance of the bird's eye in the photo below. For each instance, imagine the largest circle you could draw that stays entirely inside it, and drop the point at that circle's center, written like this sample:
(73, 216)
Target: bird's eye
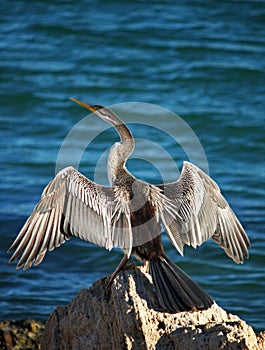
(98, 107)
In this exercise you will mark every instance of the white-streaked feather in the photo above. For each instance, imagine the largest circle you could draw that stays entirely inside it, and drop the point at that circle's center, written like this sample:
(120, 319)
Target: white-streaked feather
(70, 204)
(204, 213)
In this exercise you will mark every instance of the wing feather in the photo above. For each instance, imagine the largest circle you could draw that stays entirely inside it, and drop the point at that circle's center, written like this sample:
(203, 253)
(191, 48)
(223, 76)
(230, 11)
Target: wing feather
(203, 213)
(70, 205)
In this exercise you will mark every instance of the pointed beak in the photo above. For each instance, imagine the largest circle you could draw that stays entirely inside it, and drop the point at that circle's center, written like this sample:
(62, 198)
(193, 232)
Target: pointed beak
(83, 104)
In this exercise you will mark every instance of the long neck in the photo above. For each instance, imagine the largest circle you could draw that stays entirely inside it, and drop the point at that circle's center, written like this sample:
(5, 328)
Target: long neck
(124, 133)
(119, 153)
(125, 147)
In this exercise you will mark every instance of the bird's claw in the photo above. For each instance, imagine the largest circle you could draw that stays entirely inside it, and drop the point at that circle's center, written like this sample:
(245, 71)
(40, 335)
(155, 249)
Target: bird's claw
(111, 278)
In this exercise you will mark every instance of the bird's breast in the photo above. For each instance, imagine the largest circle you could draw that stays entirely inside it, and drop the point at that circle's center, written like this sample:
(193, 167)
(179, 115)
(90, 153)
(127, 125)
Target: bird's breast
(145, 229)
(134, 195)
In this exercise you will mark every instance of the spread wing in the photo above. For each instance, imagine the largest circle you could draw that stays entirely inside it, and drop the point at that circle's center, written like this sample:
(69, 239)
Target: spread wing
(70, 205)
(202, 213)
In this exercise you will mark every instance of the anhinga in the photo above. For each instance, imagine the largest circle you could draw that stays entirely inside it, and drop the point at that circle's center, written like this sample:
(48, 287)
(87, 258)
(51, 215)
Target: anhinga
(129, 214)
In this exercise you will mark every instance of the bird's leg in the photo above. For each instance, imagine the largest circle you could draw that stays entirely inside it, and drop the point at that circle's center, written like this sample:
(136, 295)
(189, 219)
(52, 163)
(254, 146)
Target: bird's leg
(129, 266)
(121, 265)
(146, 266)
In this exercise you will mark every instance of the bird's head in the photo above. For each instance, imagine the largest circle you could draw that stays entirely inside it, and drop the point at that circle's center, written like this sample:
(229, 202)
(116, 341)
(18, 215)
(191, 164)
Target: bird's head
(120, 151)
(104, 113)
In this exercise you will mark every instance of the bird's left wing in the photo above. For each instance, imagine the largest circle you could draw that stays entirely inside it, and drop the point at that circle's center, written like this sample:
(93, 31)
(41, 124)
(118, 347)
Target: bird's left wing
(70, 205)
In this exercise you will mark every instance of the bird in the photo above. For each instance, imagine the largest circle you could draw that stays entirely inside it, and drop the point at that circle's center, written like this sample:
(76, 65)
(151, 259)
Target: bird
(132, 214)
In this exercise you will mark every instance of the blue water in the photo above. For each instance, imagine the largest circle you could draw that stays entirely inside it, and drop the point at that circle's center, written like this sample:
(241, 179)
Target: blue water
(201, 60)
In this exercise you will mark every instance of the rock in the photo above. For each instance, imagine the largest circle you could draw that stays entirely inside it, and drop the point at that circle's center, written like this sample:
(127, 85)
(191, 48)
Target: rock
(18, 335)
(128, 317)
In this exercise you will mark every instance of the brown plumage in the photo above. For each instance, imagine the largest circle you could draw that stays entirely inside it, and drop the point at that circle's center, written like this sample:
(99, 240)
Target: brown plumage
(129, 214)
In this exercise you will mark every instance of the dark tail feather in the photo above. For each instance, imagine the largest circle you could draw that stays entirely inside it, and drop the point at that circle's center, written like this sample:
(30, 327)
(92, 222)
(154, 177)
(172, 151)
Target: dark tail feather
(175, 289)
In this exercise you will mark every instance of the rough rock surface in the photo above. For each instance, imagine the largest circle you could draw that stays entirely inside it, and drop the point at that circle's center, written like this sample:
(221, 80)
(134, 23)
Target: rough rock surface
(20, 335)
(128, 317)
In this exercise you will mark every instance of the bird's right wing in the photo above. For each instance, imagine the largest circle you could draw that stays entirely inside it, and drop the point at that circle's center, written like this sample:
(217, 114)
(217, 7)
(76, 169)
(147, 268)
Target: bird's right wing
(202, 212)
(70, 205)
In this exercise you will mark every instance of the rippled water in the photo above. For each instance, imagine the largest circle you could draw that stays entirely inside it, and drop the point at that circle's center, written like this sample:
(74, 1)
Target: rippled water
(202, 60)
